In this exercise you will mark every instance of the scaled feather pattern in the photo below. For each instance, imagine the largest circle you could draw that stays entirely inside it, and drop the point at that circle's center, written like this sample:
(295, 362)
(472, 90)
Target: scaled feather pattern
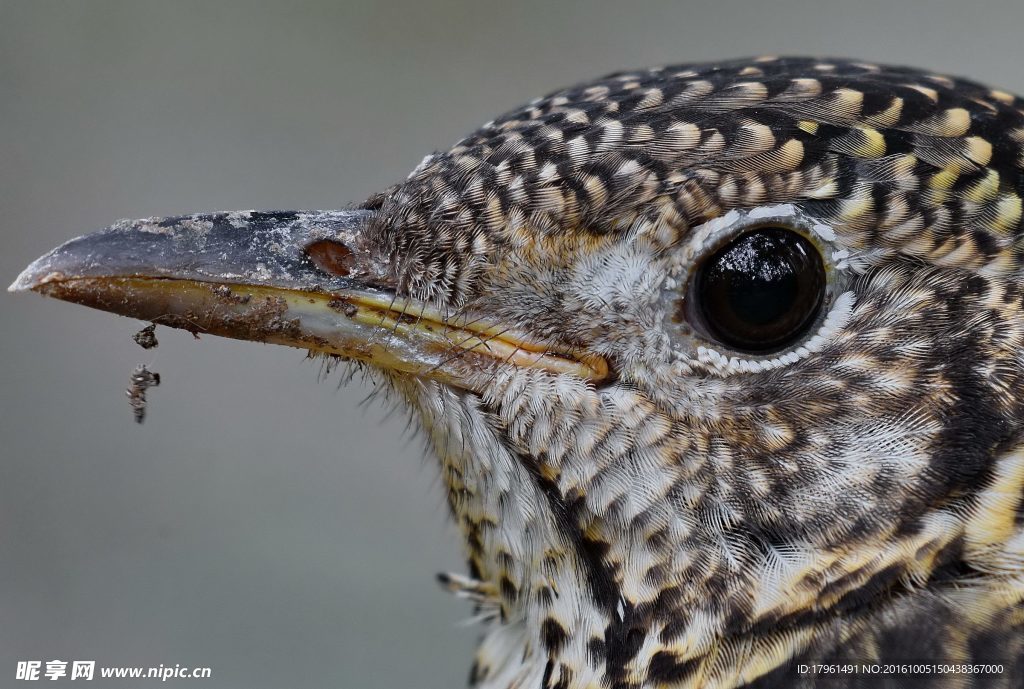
(707, 518)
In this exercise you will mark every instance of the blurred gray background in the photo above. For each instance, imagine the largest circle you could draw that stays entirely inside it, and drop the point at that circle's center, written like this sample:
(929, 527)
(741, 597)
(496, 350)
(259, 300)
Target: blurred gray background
(260, 523)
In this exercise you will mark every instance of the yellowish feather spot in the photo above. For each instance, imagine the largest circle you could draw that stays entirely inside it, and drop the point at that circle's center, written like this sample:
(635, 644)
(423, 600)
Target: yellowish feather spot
(1002, 96)
(806, 86)
(992, 523)
(872, 144)
(930, 93)
(684, 134)
(808, 126)
(985, 189)
(848, 102)
(889, 116)
(944, 179)
(1008, 213)
(955, 122)
(789, 156)
(856, 208)
(978, 150)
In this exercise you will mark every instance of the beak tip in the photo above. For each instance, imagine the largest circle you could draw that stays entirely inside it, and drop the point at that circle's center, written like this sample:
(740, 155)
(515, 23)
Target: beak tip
(35, 275)
(25, 282)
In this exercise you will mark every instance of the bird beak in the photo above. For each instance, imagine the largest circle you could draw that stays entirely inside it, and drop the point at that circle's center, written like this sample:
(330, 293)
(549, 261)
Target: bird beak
(307, 279)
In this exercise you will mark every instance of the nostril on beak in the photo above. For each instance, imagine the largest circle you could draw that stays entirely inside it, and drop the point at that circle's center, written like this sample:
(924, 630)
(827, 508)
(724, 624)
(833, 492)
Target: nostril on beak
(331, 257)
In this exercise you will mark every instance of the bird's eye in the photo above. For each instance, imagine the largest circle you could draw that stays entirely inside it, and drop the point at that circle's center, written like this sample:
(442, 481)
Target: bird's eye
(760, 292)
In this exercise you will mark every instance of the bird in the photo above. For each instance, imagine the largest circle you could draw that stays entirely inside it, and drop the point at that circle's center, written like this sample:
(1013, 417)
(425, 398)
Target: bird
(722, 366)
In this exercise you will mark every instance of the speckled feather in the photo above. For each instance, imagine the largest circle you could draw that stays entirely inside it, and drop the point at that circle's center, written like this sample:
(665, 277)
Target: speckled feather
(705, 519)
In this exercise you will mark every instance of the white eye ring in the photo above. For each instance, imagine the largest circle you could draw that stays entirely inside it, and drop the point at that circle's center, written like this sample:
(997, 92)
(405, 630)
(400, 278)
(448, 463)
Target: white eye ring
(718, 230)
(836, 319)
(693, 346)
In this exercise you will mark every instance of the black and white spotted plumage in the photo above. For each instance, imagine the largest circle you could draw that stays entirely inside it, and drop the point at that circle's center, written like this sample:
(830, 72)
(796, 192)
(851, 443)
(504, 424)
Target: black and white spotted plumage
(642, 506)
(700, 521)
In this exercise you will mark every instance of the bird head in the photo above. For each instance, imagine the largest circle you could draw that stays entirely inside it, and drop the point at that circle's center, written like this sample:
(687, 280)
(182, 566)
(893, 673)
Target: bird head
(721, 362)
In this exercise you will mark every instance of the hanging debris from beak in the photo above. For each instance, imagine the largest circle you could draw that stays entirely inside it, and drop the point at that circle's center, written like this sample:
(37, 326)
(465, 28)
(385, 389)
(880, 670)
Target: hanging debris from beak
(146, 338)
(142, 378)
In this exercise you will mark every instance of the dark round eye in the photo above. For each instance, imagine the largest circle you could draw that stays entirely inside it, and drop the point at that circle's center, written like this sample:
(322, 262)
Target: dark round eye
(761, 291)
